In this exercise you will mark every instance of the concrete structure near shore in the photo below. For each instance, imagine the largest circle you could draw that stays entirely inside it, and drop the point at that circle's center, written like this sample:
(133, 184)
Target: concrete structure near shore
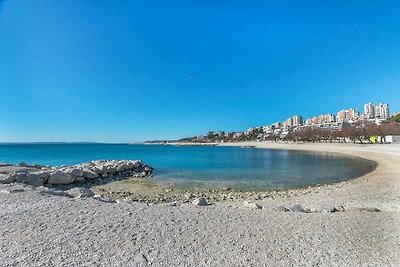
(390, 139)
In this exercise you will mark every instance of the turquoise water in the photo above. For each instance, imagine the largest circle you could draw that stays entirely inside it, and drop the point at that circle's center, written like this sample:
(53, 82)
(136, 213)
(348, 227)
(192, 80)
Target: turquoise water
(205, 167)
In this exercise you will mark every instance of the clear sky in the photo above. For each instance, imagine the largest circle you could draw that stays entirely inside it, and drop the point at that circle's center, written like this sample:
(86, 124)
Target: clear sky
(123, 71)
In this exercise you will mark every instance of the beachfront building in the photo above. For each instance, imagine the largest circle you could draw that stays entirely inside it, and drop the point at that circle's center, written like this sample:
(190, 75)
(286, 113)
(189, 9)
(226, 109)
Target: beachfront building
(268, 129)
(380, 111)
(328, 118)
(324, 118)
(297, 120)
(369, 111)
(294, 121)
(347, 115)
(287, 123)
(277, 125)
(331, 126)
(341, 116)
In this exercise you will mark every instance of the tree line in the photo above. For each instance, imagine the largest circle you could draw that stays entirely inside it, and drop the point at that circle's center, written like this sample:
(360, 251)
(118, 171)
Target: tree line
(363, 132)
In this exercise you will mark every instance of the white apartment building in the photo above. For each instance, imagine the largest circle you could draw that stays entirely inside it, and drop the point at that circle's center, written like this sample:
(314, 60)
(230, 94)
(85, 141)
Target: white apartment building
(369, 110)
(380, 111)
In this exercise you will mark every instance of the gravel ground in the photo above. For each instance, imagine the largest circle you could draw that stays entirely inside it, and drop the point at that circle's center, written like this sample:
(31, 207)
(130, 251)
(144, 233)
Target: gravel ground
(38, 229)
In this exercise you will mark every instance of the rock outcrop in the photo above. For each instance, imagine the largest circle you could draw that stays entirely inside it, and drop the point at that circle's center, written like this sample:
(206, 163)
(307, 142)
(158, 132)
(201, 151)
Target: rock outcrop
(38, 175)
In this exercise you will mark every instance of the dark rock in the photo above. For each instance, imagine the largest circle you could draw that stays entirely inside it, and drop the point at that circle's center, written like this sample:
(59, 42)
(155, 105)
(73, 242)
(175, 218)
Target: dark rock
(60, 178)
(7, 178)
(28, 178)
(38, 166)
(201, 201)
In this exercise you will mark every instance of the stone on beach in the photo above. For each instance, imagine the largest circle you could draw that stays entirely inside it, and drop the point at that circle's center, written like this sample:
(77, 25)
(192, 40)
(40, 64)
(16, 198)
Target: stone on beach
(80, 192)
(43, 174)
(60, 178)
(201, 201)
(23, 164)
(12, 190)
(251, 205)
(6, 178)
(38, 166)
(74, 172)
(28, 178)
(51, 191)
(88, 174)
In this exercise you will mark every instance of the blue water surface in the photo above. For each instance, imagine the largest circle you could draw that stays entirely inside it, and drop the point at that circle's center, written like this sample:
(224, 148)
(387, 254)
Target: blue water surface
(205, 167)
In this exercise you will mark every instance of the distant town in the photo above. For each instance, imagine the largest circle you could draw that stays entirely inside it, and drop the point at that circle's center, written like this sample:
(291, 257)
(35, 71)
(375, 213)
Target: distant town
(374, 125)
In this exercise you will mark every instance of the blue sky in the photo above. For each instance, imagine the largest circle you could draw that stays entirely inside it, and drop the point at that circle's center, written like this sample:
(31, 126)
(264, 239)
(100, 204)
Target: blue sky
(123, 71)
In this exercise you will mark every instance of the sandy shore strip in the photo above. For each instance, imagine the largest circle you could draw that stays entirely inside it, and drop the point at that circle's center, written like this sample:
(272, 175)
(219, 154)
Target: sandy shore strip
(47, 230)
(380, 187)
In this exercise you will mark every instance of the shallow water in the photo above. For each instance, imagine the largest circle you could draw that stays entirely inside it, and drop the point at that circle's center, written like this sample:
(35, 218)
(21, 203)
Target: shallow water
(205, 167)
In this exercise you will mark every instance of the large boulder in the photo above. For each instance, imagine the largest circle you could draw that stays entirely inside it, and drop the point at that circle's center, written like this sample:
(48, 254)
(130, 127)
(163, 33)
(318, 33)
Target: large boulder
(74, 172)
(38, 166)
(43, 174)
(23, 164)
(88, 174)
(99, 169)
(28, 178)
(111, 169)
(130, 165)
(60, 178)
(122, 167)
(80, 179)
(6, 178)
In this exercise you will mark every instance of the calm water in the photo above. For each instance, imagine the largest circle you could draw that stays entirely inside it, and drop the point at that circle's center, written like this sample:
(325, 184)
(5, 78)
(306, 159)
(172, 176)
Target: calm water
(205, 167)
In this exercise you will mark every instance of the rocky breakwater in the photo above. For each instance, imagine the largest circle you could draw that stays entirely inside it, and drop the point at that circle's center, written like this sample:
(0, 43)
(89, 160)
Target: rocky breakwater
(97, 170)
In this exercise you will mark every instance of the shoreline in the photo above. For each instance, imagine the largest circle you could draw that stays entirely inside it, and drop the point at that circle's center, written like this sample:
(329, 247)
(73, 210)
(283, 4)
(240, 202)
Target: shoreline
(341, 192)
(375, 190)
(380, 186)
(354, 223)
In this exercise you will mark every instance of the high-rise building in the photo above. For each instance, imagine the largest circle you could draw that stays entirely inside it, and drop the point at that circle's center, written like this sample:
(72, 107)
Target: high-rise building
(315, 120)
(288, 122)
(353, 114)
(376, 111)
(341, 116)
(327, 118)
(383, 110)
(369, 110)
(277, 125)
(347, 115)
(297, 120)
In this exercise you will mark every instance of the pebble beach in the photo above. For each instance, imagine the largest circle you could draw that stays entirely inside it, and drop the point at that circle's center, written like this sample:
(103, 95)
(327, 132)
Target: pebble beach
(353, 223)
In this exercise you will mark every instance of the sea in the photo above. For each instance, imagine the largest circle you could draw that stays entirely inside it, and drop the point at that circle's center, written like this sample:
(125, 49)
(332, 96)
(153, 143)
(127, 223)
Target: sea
(205, 167)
